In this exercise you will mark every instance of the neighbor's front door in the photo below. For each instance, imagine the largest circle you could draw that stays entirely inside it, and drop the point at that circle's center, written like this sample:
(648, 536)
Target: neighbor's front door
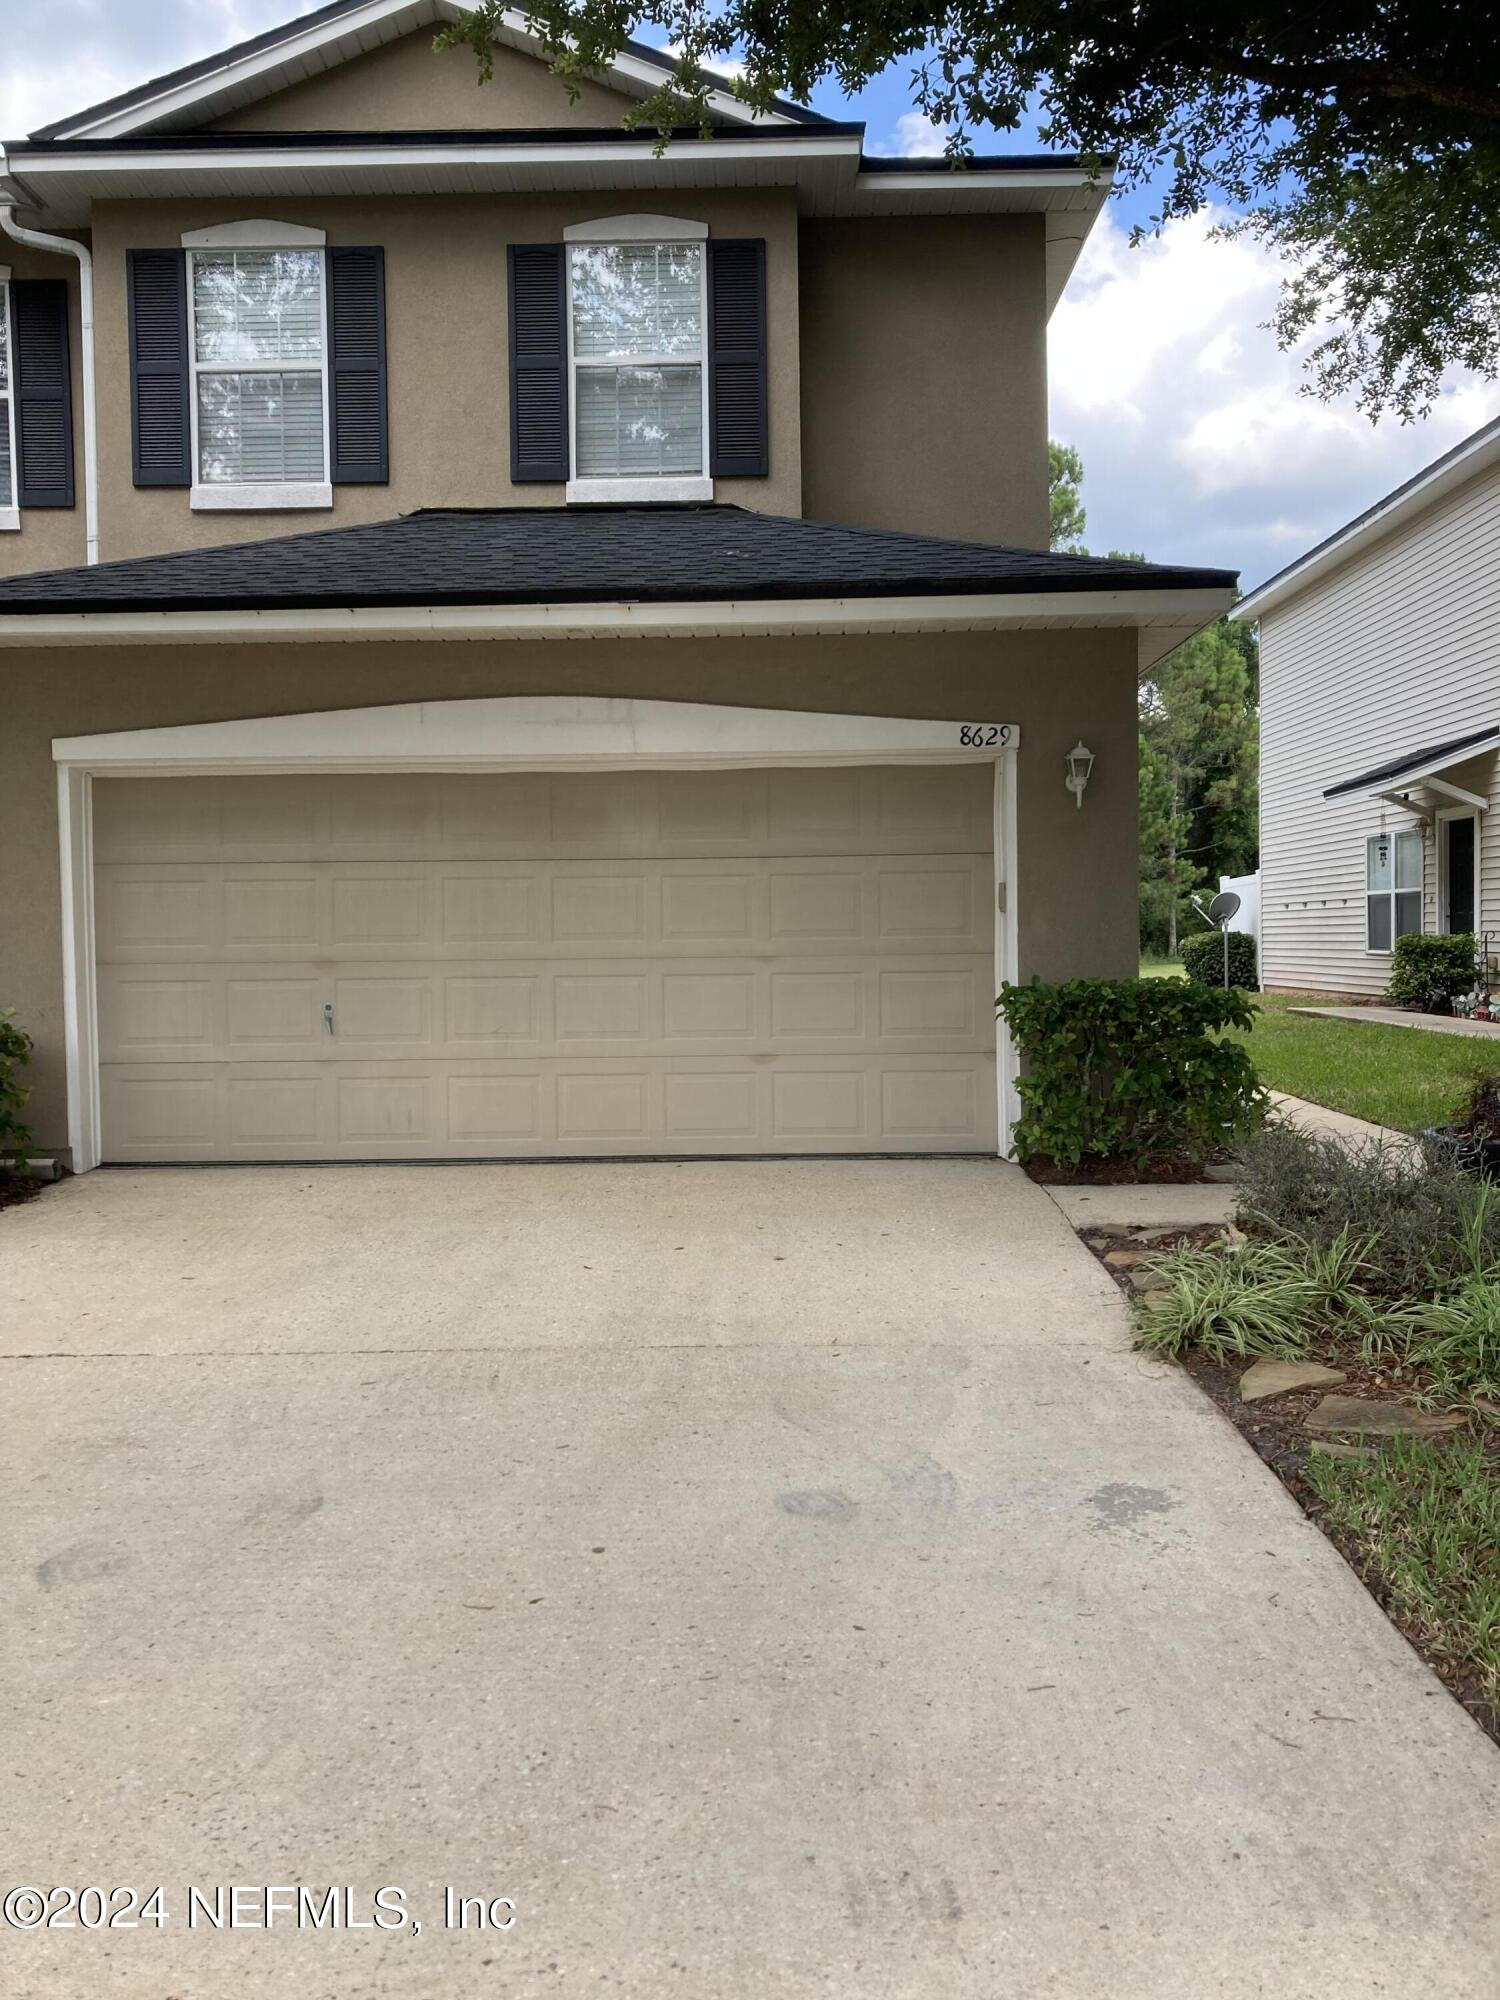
(1458, 873)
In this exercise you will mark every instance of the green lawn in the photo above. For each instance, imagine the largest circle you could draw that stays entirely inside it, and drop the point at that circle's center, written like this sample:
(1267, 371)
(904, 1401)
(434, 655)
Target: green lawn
(1406, 1077)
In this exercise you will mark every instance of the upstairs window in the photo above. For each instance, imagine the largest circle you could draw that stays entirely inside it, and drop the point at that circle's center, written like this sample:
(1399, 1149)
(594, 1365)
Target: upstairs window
(636, 323)
(258, 343)
(1393, 888)
(7, 409)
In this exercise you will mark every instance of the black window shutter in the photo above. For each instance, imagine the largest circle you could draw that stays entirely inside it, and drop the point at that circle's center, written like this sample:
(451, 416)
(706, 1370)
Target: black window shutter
(739, 432)
(360, 446)
(160, 435)
(43, 392)
(538, 363)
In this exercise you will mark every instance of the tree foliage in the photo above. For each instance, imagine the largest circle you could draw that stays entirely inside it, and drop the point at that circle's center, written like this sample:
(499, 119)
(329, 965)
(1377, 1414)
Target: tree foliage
(1200, 755)
(1065, 497)
(1199, 746)
(1360, 137)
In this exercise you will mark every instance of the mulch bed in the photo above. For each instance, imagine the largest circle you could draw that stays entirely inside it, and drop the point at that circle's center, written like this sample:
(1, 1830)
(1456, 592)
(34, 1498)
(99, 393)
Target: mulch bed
(1273, 1428)
(16, 1188)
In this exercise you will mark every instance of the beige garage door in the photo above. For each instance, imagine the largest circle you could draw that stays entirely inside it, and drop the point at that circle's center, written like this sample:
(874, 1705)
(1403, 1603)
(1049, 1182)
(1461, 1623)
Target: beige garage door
(785, 961)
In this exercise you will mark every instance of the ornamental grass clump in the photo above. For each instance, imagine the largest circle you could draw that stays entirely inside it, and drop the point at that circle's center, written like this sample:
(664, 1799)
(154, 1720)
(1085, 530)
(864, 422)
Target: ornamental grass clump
(1130, 1070)
(1368, 1249)
(1263, 1300)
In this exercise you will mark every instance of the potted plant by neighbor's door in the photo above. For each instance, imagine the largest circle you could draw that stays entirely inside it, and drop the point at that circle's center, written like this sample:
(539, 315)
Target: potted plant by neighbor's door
(1471, 1138)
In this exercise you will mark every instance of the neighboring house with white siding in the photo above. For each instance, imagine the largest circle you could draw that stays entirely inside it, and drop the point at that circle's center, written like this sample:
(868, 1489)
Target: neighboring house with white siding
(1380, 730)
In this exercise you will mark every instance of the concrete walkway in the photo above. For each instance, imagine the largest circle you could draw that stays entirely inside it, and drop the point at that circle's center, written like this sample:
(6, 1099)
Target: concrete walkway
(1325, 1124)
(1398, 1017)
(781, 1579)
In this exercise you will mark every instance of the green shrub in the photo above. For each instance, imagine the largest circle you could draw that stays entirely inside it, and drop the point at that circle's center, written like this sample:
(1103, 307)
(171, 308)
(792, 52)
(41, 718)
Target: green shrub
(1477, 1112)
(1424, 1223)
(1429, 971)
(1203, 957)
(15, 1053)
(1129, 1069)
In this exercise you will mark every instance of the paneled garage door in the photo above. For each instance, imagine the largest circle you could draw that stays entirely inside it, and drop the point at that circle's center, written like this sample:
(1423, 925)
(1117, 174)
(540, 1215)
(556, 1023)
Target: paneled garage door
(675, 962)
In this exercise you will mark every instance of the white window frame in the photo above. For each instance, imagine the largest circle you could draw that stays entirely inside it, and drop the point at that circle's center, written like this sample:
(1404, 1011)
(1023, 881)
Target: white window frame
(647, 231)
(260, 497)
(1395, 835)
(10, 516)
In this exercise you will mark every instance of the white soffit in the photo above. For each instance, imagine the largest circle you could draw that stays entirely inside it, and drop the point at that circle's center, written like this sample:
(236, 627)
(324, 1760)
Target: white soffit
(822, 168)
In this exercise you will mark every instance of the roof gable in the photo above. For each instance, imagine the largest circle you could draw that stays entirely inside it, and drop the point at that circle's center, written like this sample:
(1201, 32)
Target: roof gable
(407, 86)
(198, 94)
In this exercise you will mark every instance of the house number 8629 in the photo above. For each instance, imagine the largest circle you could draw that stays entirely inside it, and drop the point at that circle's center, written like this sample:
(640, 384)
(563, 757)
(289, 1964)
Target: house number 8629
(983, 735)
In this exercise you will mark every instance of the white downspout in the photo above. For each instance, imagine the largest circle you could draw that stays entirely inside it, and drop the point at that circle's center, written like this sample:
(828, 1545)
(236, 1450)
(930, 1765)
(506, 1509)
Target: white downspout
(65, 246)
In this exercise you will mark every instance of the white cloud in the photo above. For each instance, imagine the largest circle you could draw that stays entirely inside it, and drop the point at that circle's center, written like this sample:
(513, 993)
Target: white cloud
(1197, 440)
(72, 53)
(916, 137)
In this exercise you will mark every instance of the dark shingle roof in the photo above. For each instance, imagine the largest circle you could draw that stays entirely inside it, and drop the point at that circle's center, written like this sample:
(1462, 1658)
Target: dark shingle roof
(571, 555)
(1414, 760)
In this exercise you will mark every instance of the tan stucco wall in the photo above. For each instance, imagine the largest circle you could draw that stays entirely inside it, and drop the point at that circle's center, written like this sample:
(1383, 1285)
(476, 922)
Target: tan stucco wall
(1075, 880)
(50, 537)
(924, 375)
(446, 348)
(407, 86)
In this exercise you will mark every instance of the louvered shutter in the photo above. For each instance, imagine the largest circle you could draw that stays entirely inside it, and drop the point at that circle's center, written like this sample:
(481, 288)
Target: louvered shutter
(538, 363)
(160, 431)
(739, 432)
(360, 454)
(43, 392)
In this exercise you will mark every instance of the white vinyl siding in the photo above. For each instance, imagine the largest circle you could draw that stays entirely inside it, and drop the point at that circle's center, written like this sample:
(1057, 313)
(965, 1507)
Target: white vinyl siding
(1393, 652)
(258, 367)
(637, 321)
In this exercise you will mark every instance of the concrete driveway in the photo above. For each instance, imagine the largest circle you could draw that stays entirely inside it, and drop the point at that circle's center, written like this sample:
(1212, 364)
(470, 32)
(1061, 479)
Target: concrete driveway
(779, 1579)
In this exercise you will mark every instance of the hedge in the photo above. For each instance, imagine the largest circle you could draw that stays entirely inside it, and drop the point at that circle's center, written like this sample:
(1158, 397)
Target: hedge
(1130, 1069)
(1203, 956)
(1429, 971)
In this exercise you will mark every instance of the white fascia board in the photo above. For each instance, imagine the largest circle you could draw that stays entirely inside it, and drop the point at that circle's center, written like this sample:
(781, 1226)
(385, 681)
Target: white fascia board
(799, 142)
(1030, 180)
(324, 39)
(1180, 611)
(1470, 459)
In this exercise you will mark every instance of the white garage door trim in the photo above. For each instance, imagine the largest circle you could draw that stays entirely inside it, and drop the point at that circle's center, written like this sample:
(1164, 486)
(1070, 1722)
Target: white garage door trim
(502, 733)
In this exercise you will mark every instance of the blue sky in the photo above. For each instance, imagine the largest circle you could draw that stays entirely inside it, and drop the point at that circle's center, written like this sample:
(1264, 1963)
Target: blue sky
(1198, 442)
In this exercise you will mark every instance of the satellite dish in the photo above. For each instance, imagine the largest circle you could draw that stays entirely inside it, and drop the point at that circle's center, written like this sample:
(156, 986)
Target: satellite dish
(1223, 907)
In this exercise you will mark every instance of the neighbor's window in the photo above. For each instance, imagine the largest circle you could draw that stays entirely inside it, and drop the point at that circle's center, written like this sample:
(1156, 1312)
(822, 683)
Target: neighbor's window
(638, 366)
(1393, 888)
(7, 407)
(258, 383)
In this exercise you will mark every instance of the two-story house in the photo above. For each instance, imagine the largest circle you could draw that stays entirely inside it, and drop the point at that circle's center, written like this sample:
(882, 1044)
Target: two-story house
(1380, 727)
(519, 644)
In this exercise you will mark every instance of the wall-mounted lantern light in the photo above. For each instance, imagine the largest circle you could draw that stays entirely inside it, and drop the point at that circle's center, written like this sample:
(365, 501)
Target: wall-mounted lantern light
(1080, 763)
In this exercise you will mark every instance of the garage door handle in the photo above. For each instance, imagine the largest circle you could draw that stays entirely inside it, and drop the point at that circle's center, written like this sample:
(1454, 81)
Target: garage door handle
(328, 1015)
